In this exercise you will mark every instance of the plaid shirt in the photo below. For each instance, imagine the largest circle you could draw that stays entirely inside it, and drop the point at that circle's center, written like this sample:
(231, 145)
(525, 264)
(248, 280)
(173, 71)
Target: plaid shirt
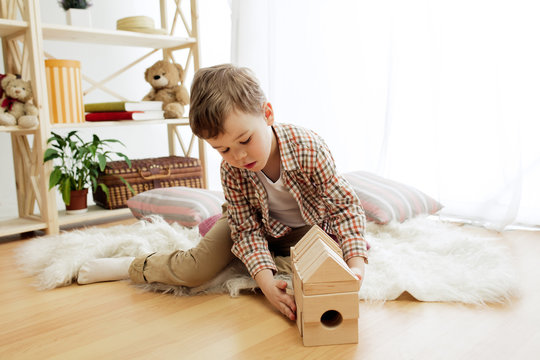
(324, 198)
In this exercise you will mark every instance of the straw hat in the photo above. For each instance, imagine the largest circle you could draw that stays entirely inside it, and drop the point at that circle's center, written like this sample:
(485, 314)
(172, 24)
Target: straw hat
(142, 24)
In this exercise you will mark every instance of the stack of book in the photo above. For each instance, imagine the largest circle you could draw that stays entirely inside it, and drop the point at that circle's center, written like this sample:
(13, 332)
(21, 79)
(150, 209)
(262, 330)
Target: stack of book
(124, 110)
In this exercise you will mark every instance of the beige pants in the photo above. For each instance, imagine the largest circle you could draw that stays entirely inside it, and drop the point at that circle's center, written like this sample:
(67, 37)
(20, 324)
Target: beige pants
(202, 263)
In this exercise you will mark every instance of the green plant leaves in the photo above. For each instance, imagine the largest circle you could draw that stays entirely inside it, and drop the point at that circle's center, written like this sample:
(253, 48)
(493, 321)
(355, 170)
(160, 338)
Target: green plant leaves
(105, 189)
(55, 177)
(125, 158)
(102, 161)
(65, 189)
(50, 154)
(78, 163)
(128, 184)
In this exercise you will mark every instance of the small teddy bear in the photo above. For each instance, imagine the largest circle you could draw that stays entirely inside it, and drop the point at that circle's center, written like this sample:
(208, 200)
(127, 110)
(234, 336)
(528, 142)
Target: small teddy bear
(15, 105)
(165, 77)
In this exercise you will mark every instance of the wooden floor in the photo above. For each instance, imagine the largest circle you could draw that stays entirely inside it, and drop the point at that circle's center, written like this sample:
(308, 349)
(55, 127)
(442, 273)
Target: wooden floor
(117, 321)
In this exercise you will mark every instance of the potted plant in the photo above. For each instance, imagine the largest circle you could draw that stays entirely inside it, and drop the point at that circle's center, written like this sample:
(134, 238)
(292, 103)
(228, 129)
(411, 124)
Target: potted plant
(76, 13)
(78, 164)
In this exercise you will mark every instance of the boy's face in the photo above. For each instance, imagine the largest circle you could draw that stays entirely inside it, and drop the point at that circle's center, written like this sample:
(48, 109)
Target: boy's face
(248, 140)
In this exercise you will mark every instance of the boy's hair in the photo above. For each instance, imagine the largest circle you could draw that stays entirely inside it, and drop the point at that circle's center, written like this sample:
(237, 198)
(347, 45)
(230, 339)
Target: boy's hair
(219, 90)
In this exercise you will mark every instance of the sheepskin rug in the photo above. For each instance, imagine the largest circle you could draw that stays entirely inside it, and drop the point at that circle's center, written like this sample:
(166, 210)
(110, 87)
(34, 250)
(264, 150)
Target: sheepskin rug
(429, 259)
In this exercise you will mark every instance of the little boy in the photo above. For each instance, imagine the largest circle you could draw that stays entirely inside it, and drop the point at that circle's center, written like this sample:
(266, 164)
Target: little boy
(278, 181)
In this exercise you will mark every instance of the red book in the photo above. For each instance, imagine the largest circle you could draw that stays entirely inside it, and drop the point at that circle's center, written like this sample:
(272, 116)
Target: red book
(125, 115)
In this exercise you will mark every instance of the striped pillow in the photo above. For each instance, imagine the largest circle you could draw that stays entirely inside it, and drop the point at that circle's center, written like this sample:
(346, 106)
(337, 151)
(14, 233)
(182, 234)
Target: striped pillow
(184, 205)
(385, 200)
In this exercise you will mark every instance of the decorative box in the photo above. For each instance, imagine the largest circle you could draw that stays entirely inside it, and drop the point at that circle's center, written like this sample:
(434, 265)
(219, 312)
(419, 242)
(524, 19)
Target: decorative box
(146, 174)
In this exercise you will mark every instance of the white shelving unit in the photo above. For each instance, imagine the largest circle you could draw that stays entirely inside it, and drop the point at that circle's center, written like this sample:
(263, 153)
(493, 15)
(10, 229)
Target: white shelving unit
(22, 35)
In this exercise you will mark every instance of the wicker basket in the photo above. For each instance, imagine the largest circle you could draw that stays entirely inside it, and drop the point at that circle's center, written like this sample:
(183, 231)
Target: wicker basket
(146, 174)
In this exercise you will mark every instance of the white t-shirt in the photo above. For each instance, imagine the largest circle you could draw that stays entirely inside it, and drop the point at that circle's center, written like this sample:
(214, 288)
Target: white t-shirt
(281, 204)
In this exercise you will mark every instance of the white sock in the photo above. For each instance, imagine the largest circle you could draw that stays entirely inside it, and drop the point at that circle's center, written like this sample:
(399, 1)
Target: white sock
(106, 269)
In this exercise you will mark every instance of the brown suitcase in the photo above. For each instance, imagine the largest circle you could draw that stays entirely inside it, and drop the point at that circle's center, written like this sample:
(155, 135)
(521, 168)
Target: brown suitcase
(146, 174)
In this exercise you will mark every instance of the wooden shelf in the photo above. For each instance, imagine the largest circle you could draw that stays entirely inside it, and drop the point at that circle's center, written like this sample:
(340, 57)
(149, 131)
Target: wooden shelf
(23, 52)
(11, 226)
(94, 213)
(18, 130)
(113, 37)
(100, 124)
(11, 27)
(20, 225)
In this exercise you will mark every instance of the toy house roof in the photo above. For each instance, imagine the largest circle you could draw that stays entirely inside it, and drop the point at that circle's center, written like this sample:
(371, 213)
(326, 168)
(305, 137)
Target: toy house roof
(320, 265)
(314, 234)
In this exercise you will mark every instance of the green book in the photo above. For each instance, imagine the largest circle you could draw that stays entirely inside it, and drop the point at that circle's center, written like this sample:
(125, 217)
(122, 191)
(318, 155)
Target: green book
(123, 106)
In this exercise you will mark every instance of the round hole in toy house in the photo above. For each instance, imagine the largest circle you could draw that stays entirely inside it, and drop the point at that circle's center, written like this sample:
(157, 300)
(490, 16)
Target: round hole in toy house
(331, 318)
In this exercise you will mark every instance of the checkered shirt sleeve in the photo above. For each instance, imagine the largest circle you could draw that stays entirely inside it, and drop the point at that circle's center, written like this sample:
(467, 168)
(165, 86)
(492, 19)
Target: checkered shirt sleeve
(247, 231)
(345, 216)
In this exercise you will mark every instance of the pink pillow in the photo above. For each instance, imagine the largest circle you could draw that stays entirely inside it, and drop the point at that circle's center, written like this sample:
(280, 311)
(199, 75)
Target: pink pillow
(207, 224)
(184, 205)
(386, 200)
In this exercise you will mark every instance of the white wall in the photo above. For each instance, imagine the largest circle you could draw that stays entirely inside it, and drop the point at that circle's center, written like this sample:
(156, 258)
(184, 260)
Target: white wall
(98, 61)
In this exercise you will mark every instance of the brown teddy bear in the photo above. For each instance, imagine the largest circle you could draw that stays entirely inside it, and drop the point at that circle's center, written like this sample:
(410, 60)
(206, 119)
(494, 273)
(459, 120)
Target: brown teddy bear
(15, 105)
(165, 77)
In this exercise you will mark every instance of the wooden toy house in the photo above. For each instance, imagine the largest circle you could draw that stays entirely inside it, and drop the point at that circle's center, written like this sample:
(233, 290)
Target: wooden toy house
(325, 290)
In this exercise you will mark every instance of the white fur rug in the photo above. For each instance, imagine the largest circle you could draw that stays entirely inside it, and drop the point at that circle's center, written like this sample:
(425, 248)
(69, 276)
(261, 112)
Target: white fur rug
(431, 260)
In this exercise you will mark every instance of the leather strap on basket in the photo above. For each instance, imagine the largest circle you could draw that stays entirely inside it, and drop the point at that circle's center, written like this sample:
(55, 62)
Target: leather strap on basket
(155, 170)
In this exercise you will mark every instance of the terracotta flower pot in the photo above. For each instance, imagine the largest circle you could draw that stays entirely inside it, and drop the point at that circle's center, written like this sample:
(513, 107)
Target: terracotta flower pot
(78, 203)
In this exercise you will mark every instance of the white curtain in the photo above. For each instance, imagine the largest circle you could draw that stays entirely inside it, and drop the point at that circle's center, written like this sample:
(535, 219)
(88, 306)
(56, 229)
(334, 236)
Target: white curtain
(442, 95)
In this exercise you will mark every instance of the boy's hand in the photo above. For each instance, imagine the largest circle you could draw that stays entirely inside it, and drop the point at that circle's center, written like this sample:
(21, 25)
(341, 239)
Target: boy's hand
(274, 290)
(356, 264)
